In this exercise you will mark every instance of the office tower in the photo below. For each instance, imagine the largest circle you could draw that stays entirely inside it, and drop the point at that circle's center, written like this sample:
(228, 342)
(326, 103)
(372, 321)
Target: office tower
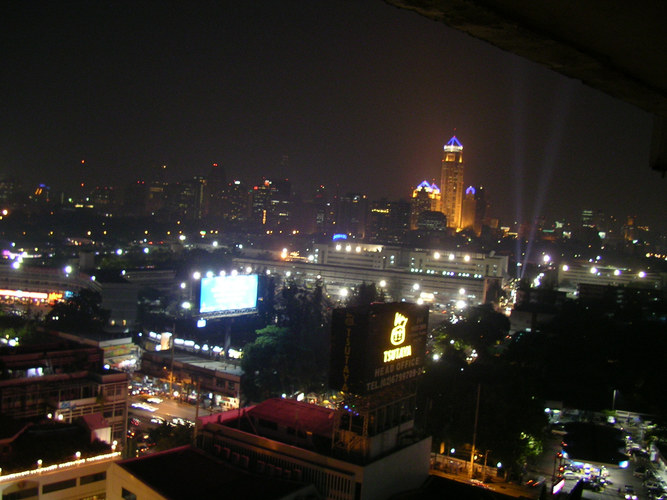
(134, 198)
(9, 192)
(587, 218)
(351, 212)
(261, 202)
(104, 199)
(216, 182)
(425, 198)
(469, 207)
(235, 202)
(324, 212)
(155, 199)
(272, 204)
(481, 210)
(451, 182)
(389, 221)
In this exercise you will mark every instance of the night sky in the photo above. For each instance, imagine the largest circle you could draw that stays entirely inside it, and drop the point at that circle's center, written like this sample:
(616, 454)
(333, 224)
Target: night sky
(356, 94)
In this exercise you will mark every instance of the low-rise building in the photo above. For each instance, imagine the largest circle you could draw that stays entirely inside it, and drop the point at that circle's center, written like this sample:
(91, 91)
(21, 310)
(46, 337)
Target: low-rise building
(52, 460)
(288, 439)
(61, 378)
(186, 473)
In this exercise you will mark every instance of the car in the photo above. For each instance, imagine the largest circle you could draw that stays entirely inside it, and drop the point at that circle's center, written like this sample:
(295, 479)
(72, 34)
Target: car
(639, 472)
(629, 493)
(592, 485)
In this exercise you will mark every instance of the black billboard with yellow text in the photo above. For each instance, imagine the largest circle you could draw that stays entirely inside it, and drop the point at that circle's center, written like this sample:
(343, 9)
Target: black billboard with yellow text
(377, 346)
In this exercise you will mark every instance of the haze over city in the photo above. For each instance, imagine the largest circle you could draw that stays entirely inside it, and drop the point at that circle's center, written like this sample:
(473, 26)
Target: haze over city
(360, 95)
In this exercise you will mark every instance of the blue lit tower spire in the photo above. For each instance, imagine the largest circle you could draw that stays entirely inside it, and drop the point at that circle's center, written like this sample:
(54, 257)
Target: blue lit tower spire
(451, 182)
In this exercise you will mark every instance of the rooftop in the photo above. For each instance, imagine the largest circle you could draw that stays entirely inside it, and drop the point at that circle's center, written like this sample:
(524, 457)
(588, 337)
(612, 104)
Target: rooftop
(201, 362)
(53, 443)
(296, 414)
(186, 472)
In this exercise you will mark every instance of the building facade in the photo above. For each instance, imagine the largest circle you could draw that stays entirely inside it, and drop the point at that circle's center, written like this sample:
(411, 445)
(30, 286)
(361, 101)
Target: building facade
(451, 182)
(435, 277)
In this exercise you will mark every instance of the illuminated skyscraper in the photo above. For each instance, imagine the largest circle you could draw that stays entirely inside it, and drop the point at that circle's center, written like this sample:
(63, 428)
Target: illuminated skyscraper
(451, 182)
(425, 198)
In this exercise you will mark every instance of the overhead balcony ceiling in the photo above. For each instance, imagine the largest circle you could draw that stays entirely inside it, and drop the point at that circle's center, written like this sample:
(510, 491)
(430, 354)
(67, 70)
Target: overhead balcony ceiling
(614, 46)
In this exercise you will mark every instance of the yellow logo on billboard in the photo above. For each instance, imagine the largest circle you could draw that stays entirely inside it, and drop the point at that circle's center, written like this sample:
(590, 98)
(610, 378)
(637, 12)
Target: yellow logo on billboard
(398, 332)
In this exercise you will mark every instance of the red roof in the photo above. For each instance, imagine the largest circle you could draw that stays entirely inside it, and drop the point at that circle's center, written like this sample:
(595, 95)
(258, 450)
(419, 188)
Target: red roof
(307, 417)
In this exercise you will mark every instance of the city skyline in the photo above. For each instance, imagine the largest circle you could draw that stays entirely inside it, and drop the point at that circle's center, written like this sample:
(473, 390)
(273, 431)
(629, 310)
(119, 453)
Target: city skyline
(361, 96)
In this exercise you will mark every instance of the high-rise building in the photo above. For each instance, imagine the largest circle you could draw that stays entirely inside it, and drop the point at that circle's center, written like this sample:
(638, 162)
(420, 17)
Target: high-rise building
(351, 212)
(389, 221)
(235, 202)
(451, 182)
(216, 182)
(481, 210)
(9, 190)
(587, 218)
(271, 204)
(425, 198)
(469, 208)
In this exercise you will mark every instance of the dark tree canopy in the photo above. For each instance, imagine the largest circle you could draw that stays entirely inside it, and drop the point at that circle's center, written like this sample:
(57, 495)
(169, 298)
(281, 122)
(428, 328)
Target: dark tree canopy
(80, 313)
(290, 355)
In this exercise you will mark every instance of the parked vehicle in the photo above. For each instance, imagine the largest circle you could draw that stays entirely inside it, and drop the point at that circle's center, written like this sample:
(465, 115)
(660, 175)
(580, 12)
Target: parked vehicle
(629, 493)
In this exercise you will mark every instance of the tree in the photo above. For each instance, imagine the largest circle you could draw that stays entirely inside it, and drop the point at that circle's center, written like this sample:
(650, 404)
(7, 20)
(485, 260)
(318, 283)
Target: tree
(291, 355)
(365, 294)
(272, 364)
(511, 420)
(80, 313)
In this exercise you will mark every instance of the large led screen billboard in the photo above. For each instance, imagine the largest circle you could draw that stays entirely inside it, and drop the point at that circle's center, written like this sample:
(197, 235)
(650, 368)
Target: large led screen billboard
(377, 346)
(228, 295)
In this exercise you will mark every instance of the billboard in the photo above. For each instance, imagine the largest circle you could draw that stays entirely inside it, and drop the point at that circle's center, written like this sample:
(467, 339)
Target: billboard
(228, 295)
(377, 346)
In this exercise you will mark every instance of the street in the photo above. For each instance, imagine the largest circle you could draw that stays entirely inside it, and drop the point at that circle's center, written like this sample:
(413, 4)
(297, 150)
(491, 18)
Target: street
(167, 409)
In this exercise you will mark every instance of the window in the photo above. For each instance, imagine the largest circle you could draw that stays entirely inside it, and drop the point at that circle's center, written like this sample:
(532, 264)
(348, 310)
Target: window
(18, 495)
(127, 495)
(60, 485)
(268, 424)
(92, 478)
